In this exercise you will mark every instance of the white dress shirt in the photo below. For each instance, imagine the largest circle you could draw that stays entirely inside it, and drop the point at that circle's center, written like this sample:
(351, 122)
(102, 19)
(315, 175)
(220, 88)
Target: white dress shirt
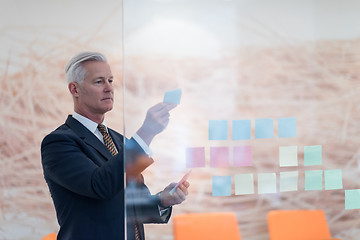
(92, 126)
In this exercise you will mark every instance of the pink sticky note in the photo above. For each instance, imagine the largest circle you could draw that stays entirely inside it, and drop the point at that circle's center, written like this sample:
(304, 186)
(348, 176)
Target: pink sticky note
(242, 156)
(219, 157)
(195, 157)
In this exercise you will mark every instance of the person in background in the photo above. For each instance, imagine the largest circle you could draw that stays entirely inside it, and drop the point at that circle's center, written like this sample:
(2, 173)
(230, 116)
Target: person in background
(84, 162)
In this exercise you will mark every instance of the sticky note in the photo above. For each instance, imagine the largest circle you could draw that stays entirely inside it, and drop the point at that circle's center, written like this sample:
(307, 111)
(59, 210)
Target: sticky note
(218, 130)
(173, 96)
(352, 199)
(266, 183)
(242, 156)
(289, 181)
(219, 157)
(287, 127)
(244, 184)
(264, 128)
(313, 180)
(221, 186)
(195, 157)
(241, 129)
(288, 156)
(312, 155)
(333, 179)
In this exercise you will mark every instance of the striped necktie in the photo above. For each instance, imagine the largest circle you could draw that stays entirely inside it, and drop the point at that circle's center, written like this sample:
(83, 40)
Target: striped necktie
(137, 232)
(107, 140)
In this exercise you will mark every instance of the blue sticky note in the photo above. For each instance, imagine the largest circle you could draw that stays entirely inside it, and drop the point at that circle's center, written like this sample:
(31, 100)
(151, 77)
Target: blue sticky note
(287, 127)
(264, 128)
(218, 130)
(173, 96)
(241, 129)
(352, 199)
(313, 180)
(221, 186)
(312, 155)
(333, 179)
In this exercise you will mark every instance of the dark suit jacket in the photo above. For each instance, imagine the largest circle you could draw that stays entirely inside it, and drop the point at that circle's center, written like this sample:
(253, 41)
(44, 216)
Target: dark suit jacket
(87, 185)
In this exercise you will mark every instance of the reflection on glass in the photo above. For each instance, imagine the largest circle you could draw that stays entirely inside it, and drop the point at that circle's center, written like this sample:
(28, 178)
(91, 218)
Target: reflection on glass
(261, 82)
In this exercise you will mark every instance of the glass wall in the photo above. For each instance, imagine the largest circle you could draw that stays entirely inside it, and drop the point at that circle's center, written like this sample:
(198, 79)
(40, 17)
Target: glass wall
(268, 113)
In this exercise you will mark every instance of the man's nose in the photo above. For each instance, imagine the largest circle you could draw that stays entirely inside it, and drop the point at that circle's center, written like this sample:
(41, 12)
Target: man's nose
(108, 86)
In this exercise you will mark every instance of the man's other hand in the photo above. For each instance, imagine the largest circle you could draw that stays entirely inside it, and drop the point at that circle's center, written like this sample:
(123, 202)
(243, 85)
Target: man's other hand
(156, 120)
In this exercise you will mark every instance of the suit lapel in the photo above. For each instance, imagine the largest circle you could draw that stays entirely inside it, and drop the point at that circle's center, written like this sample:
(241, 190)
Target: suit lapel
(88, 137)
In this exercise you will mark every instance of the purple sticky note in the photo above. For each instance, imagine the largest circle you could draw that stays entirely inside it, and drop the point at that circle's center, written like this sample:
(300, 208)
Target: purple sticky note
(219, 157)
(242, 156)
(195, 157)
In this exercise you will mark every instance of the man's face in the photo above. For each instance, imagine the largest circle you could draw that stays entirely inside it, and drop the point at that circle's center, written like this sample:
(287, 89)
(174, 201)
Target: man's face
(96, 92)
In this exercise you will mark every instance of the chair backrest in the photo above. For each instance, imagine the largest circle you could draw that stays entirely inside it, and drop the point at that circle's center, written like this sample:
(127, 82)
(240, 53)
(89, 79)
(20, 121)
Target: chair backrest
(206, 226)
(50, 236)
(298, 225)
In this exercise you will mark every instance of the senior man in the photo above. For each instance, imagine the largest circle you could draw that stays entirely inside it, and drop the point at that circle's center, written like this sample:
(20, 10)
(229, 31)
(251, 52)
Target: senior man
(84, 162)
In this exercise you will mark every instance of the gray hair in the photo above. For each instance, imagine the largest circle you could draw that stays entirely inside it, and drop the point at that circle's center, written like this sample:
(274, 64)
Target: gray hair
(74, 70)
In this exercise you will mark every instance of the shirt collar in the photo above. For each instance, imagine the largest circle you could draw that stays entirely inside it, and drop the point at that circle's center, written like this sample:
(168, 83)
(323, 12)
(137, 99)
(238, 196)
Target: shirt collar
(89, 124)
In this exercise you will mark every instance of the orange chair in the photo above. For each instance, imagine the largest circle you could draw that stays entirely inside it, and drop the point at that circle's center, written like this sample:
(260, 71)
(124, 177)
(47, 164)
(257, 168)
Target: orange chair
(206, 226)
(298, 225)
(50, 236)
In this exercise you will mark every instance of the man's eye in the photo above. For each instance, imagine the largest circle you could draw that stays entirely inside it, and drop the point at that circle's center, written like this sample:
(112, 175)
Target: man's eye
(98, 81)
(111, 80)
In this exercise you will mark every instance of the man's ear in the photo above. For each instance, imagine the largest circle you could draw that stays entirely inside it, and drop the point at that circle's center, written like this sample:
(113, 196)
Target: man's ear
(74, 89)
